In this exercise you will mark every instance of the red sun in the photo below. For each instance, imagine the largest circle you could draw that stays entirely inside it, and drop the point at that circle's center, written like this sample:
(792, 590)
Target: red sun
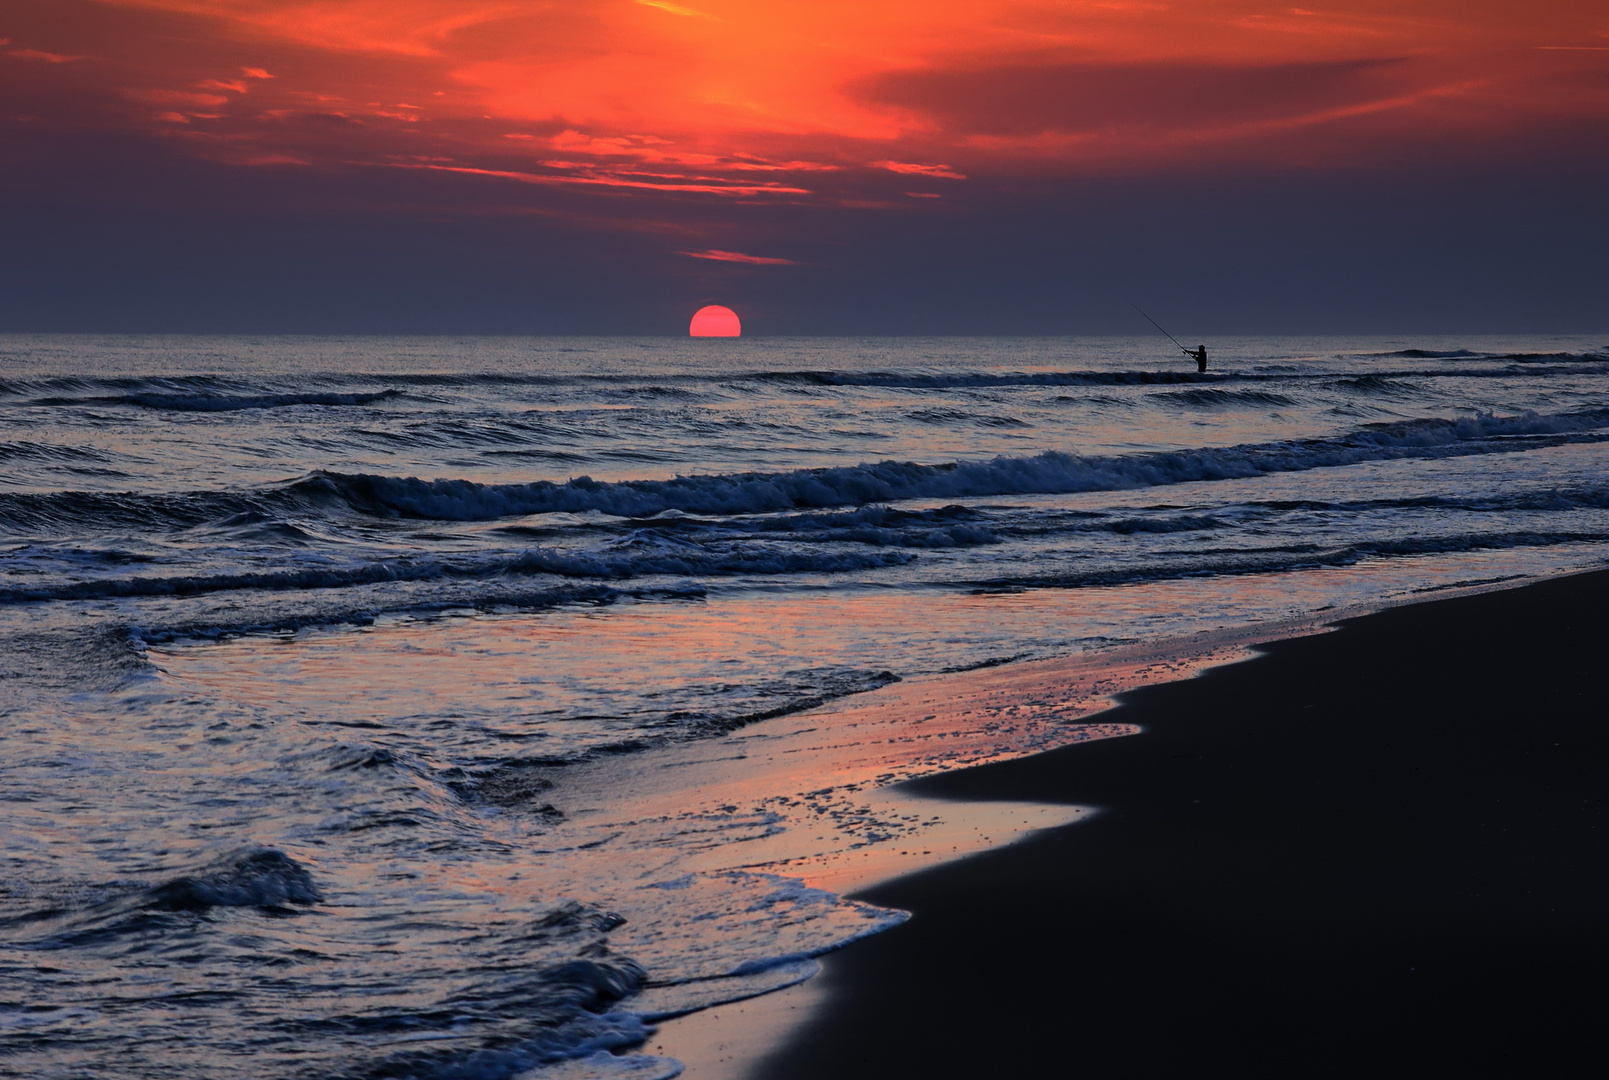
(715, 321)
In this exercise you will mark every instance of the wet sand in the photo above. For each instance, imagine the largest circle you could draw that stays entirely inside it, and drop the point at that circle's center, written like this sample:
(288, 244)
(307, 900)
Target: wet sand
(857, 827)
(1381, 850)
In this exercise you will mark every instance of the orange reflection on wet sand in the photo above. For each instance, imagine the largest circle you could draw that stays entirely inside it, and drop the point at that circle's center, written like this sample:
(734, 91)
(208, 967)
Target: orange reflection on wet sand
(827, 773)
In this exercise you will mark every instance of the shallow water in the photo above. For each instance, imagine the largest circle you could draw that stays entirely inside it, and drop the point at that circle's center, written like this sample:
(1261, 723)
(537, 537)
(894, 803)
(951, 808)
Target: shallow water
(302, 636)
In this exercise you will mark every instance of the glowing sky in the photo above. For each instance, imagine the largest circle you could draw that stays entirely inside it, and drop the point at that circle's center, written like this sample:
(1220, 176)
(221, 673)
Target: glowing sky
(723, 135)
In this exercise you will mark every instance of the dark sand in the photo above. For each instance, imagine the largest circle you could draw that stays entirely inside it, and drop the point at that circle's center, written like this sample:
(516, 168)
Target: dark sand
(1379, 851)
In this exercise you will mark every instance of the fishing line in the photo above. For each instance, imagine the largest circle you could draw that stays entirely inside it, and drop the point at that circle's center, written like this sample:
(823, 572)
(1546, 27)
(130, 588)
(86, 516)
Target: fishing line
(1170, 337)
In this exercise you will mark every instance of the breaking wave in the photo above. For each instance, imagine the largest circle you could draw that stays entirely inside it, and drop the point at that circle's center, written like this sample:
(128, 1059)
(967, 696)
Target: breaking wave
(1052, 472)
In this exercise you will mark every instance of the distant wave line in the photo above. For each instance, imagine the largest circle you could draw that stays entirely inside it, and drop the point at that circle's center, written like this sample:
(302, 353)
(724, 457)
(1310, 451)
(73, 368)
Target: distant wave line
(218, 402)
(1052, 472)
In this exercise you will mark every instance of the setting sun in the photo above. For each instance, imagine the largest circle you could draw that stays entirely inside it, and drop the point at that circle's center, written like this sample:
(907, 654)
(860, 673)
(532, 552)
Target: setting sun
(715, 321)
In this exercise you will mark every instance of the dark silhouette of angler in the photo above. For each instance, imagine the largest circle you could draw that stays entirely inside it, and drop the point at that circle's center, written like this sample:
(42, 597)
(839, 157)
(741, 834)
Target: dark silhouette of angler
(1198, 354)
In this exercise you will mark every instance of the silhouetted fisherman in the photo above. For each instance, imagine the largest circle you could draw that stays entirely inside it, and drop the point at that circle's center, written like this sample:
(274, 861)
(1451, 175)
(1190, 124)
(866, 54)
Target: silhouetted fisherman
(1198, 354)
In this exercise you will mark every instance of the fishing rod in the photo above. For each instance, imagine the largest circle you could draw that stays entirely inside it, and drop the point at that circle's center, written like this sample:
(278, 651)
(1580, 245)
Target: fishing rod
(1170, 337)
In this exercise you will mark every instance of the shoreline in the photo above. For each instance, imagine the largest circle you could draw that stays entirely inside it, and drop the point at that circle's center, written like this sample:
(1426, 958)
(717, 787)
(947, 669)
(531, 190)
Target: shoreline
(1386, 843)
(861, 747)
(727, 1042)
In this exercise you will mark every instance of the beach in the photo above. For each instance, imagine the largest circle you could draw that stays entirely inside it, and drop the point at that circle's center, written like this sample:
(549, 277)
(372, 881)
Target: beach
(1377, 850)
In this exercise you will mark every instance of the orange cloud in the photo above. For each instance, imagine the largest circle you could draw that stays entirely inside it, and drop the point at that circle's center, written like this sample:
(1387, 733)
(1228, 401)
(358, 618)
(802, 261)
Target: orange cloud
(360, 26)
(820, 96)
(918, 170)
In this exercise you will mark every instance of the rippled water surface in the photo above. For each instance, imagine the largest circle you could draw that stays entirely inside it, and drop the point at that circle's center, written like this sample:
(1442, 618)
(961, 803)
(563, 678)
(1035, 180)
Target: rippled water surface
(301, 636)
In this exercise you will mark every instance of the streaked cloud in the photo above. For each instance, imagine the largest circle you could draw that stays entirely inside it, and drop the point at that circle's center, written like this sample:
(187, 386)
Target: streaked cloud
(582, 175)
(675, 9)
(717, 255)
(913, 169)
(40, 54)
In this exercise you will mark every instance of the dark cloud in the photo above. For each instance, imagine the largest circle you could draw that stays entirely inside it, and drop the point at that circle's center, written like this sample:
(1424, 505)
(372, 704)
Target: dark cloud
(1031, 98)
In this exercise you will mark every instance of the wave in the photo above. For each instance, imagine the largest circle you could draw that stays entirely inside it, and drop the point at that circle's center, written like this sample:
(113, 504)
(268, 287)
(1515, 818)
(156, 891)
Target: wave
(1430, 354)
(24, 512)
(89, 384)
(1596, 356)
(1130, 526)
(256, 877)
(253, 877)
(325, 493)
(215, 393)
(944, 527)
(552, 994)
(644, 554)
(1210, 398)
(218, 402)
(1052, 472)
(1508, 372)
(1230, 563)
(1551, 499)
(562, 1013)
(1599, 357)
(897, 380)
(966, 416)
(493, 597)
(1383, 385)
(32, 451)
(876, 525)
(128, 386)
(906, 380)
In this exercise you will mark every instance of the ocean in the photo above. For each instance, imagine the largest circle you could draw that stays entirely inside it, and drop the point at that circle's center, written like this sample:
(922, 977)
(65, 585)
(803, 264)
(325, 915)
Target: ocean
(342, 678)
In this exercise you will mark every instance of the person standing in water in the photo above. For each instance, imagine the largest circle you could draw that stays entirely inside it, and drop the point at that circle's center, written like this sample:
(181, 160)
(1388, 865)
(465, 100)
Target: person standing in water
(1198, 354)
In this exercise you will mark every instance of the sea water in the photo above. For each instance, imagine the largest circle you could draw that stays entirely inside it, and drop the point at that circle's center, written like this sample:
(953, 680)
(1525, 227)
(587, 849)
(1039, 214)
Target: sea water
(300, 639)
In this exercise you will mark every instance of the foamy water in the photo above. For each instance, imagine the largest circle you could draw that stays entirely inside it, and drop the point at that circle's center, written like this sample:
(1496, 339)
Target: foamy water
(366, 699)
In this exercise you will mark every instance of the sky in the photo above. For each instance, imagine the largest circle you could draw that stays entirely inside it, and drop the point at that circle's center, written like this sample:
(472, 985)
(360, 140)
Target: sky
(819, 166)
